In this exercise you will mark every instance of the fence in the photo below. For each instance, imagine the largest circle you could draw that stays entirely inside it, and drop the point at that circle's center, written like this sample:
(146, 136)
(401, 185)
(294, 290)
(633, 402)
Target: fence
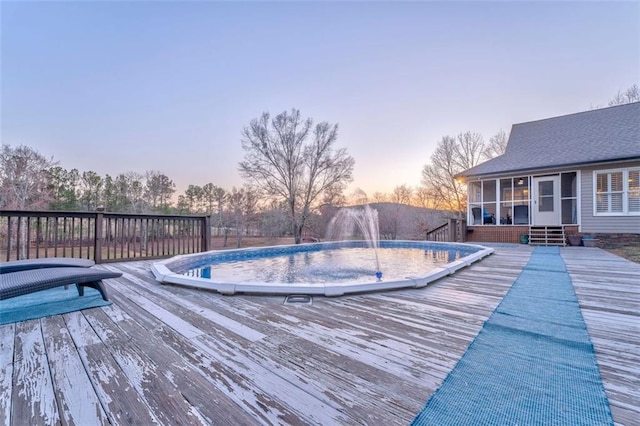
(103, 237)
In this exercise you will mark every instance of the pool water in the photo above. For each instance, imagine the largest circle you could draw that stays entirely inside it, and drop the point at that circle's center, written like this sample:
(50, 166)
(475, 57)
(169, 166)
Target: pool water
(329, 268)
(338, 265)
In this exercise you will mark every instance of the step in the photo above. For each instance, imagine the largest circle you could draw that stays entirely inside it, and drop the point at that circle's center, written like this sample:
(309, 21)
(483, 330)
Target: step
(547, 236)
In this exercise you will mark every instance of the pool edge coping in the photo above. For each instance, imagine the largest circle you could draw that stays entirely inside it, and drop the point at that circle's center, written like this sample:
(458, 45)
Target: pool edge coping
(164, 275)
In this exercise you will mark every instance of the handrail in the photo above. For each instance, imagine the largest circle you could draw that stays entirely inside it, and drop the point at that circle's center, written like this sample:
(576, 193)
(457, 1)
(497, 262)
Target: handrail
(101, 236)
(438, 234)
(454, 230)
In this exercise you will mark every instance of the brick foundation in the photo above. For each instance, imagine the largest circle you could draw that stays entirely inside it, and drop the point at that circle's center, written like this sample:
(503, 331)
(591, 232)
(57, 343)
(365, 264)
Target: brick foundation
(496, 234)
(505, 234)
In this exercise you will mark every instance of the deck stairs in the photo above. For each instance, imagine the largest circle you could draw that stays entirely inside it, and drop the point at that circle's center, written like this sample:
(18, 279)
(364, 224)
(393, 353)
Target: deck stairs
(547, 236)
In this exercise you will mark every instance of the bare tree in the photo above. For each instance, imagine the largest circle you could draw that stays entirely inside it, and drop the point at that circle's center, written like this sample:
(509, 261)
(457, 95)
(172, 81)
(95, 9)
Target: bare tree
(284, 167)
(332, 200)
(24, 175)
(24, 184)
(242, 208)
(358, 196)
(632, 94)
(402, 194)
(389, 220)
(497, 145)
(452, 156)
(380, 197)
(423, 198)
(275, 222)
(334, 196)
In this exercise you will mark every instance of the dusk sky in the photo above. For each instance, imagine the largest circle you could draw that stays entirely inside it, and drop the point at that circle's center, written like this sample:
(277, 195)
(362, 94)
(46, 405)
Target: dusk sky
(133, 86)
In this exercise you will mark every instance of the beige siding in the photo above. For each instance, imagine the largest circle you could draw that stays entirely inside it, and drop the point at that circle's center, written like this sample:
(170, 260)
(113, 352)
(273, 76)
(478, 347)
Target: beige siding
(603, 224)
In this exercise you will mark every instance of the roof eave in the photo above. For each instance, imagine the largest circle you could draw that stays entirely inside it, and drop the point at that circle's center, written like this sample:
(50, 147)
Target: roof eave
(550, 167)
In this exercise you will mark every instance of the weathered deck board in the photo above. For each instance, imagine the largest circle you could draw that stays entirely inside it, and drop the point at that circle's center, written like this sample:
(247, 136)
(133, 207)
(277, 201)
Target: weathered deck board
(608, 290)
(174, 355)
(33, 398)
(7, 333)
(118, 397)
(77, 399)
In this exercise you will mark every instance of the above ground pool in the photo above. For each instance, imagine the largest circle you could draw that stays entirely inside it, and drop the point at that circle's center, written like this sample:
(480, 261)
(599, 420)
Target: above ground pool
(330, 269)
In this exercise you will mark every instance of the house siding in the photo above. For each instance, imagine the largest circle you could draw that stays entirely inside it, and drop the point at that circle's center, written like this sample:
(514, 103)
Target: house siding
(627, 224)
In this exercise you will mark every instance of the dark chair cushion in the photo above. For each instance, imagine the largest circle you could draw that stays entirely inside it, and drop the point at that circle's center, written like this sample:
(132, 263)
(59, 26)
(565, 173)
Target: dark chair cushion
(24, 282)
(45, 262)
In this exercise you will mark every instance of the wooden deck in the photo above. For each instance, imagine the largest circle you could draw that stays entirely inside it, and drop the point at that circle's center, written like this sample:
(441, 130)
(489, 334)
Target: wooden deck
(173, 355)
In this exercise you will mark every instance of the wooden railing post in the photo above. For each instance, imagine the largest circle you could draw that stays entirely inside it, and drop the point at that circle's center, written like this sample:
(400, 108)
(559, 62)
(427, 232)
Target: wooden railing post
(206, 233)
(452, 230)
(97, 247)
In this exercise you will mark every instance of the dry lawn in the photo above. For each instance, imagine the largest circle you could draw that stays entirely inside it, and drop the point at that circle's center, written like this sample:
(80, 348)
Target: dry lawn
(217, 243)
(631, 252)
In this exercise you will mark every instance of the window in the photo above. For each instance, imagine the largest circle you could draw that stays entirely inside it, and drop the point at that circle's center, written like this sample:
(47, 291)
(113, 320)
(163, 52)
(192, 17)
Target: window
(545, 196)
(634, 191)
(617, 192)
(569, 198)
(482, 202)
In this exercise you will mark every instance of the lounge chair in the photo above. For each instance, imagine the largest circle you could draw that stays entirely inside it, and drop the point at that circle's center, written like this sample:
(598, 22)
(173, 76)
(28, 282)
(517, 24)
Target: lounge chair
(44, 262)
(18, 283)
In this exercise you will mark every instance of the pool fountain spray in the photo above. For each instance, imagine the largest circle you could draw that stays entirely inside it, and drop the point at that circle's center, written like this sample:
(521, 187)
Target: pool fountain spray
(344, 224)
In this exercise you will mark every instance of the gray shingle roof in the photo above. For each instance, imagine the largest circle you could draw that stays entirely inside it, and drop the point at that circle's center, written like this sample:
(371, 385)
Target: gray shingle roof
(595, 136)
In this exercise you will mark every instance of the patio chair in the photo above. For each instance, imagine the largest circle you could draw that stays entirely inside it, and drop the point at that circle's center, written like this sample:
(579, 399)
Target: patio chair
(18, 283)
(44, 262)
(479, 213)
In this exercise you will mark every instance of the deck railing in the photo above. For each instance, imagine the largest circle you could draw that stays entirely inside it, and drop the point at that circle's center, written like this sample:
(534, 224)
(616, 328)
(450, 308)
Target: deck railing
(454, 230)
(103, 237)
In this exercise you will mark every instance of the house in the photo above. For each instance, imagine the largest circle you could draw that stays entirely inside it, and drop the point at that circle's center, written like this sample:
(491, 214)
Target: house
(576, 174)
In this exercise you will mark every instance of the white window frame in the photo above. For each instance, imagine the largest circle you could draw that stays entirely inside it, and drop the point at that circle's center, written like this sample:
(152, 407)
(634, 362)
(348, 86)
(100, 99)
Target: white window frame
(498, 202)
(625, 191)
(576, 197)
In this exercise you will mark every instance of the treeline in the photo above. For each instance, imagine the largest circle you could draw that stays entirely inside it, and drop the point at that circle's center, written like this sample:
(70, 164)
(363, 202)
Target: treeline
(30, 181)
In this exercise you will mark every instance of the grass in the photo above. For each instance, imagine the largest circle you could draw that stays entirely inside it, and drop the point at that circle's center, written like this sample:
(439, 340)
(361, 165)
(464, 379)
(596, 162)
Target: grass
(217, 243)
(631, 252)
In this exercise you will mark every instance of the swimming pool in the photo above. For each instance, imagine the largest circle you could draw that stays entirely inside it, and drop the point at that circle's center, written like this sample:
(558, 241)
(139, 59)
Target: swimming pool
(331, 269)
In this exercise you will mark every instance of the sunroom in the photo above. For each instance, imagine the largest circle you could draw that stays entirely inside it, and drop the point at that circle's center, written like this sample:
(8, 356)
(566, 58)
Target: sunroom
(549, 200)
(543, 207)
